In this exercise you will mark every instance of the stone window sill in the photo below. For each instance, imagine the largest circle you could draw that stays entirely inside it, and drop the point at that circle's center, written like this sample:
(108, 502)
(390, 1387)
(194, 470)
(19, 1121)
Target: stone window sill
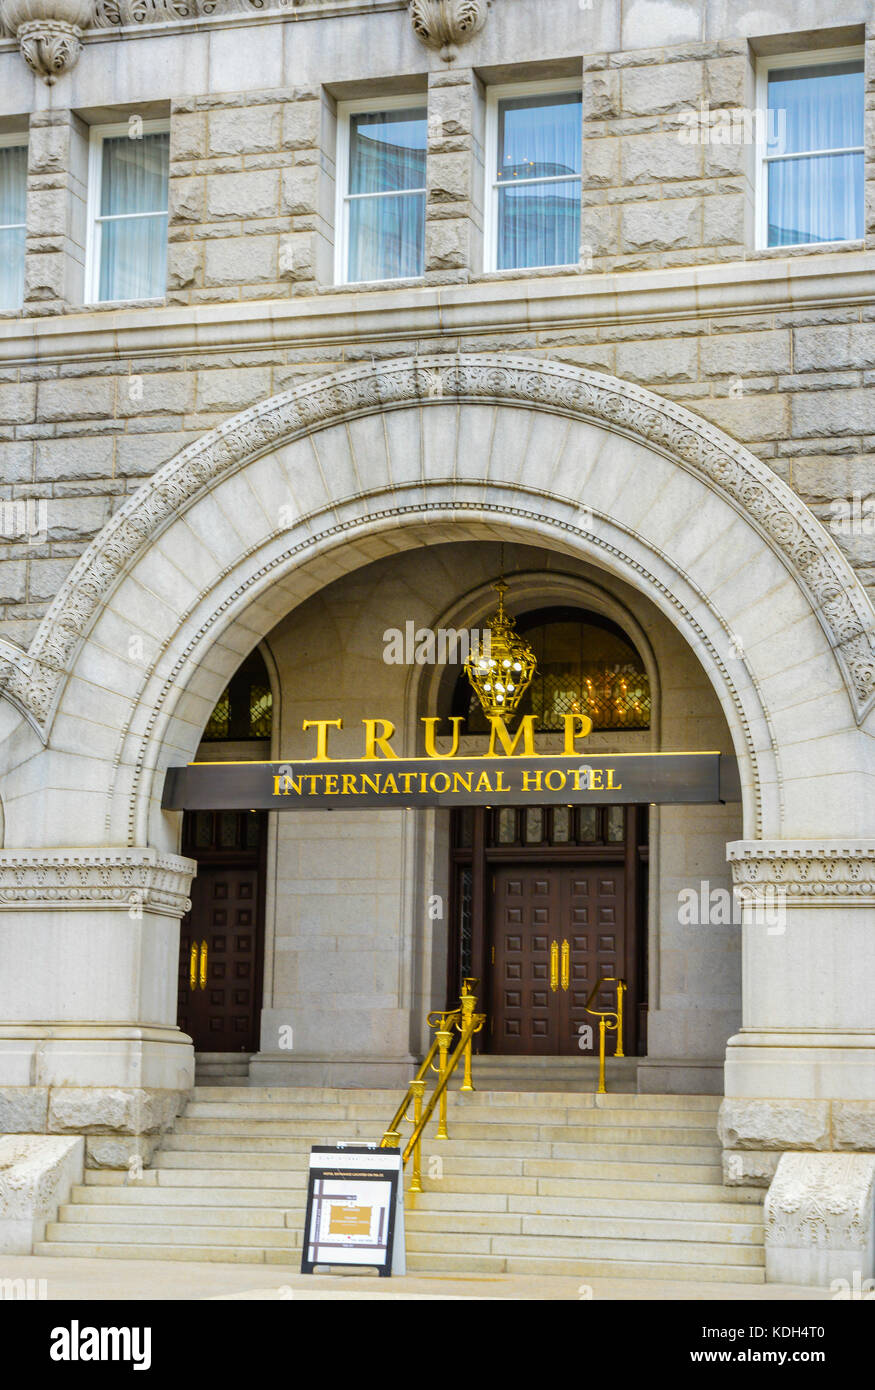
(806, 248)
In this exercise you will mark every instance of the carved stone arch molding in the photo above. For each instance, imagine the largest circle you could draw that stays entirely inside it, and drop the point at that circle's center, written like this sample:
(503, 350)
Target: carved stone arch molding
(726, 467)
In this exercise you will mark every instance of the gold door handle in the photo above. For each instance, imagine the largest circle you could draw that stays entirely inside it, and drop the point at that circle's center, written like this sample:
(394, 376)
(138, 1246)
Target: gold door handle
(203, 969)
(554, 965)
(192, 966)
(566, 965)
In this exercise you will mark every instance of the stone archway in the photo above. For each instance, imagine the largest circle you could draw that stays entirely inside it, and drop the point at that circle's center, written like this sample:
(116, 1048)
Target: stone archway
(251, 519)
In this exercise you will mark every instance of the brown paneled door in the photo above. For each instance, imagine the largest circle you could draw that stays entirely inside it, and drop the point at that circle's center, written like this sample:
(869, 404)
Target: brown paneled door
(218, 963)
(556, 930)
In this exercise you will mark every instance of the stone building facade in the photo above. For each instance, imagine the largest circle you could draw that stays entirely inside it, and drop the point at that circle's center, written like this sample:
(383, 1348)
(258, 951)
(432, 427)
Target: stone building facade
(673, 429)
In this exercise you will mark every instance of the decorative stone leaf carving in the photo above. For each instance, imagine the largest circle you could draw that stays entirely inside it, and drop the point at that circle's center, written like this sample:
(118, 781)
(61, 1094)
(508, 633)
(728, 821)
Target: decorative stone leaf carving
(48, 32)
(446, 24)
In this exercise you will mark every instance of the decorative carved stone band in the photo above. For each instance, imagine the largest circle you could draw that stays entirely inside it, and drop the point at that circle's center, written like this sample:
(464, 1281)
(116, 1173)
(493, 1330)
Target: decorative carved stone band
(824, 873)
(446, 24)
(138, 879)
(819, 1219)
(48, 32)
(810, 554)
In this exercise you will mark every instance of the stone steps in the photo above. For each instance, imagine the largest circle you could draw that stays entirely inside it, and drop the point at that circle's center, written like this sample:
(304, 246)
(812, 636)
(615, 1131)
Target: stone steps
(556, 1183)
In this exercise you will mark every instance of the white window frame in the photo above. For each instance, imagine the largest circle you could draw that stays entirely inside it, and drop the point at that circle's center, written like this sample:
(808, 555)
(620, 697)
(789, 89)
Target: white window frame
(18, 139)
(95, 171)
(345, 111)
(556, 87)
(764, 67)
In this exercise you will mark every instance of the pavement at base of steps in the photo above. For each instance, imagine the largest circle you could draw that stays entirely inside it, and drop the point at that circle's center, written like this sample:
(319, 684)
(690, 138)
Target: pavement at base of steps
(95, 1279)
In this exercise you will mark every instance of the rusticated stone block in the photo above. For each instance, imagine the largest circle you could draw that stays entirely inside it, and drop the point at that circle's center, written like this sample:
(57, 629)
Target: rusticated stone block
(117, 1151)
(111, 1110)
(250, 131)
(774, 1124)
(751, 1168)
(853, 1125)
(24, 1109)
(244, 195)
(662, 226)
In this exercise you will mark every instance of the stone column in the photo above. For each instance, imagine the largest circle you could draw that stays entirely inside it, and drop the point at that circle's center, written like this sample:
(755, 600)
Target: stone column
(869, 137)
(800, 1075)
(57, 174)
(89, 951)
(455, 177)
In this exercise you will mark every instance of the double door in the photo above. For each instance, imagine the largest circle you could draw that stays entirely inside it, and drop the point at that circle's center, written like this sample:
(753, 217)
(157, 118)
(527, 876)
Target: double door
(555, 931)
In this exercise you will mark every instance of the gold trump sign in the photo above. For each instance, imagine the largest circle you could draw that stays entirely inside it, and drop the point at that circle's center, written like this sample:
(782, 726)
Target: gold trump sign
(510, 772)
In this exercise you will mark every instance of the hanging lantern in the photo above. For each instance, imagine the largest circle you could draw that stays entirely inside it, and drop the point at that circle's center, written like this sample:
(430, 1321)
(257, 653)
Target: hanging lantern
(501, 669)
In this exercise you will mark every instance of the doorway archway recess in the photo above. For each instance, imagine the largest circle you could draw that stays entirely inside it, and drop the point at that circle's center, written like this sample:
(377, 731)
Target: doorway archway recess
(260, 513)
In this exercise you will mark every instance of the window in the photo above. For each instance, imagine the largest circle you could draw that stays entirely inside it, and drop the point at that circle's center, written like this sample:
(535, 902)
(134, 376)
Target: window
(381, 211)
(811, 183)
(13, 199)
(245, 708)
(127, 243)
(534, 158)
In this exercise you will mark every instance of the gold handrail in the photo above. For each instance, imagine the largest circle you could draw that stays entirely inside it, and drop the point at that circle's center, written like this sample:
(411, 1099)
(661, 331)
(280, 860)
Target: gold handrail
(467, 1022)
(604, 1015)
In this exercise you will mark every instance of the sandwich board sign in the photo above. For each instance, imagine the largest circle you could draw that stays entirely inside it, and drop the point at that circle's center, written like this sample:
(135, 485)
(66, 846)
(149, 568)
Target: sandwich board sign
(355, 1208)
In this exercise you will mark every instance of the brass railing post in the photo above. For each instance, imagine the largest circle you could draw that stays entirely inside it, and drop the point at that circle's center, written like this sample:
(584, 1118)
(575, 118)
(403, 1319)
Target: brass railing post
(469, 1004)
(602, 1024)
(444, 1038)
(621, 988)
(418, 1089)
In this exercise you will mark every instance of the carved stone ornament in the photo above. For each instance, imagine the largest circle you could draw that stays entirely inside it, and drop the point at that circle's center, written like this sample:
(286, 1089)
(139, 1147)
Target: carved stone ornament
(445, 24)
(830, 874)
(48, 32)
(819, 1219)
(136, 880)
(33, 679)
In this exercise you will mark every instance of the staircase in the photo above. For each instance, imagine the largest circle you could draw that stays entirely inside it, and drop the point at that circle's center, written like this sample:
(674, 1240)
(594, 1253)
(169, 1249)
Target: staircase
(529, 1183)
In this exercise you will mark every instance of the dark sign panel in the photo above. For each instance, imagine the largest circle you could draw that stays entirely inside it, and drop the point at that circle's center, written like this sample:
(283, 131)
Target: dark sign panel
(422, 782)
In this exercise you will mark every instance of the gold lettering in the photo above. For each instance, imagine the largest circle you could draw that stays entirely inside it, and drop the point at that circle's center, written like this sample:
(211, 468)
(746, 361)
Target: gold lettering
(499, 782)
(370, 783)
(531, 781)
(389, 783)
(611, 787)
(483, 783)
(596, 783)
(526, 732)
(349, 785)
(432, 782)
(462, 781)
(322, 726)
(312, 778)
(373, 740)
(583, 724)
(555, 786)
(407, 778)
(431, 734)
(331, 784)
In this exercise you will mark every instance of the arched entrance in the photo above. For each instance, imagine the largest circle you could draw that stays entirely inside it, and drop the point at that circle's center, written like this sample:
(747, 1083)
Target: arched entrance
(382, 459)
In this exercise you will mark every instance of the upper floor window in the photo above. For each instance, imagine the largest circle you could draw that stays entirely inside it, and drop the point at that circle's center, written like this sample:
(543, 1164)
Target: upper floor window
(534, 163)
(13, 199)
(382, 191)
(127, 242)
(811, 188)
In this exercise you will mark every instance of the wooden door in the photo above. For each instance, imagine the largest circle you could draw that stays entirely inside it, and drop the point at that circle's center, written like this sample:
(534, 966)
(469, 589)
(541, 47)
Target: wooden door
(556, 930)
(220, 1013)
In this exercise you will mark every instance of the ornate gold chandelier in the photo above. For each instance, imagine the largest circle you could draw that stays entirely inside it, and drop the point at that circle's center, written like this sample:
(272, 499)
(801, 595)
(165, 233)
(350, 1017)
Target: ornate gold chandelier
(501, 668)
